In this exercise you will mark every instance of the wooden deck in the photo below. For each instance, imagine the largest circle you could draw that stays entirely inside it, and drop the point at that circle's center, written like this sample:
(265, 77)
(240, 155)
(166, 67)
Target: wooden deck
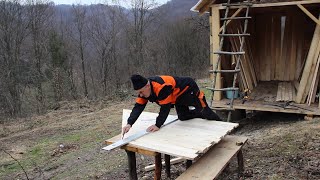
(264, 98)
(268, 106)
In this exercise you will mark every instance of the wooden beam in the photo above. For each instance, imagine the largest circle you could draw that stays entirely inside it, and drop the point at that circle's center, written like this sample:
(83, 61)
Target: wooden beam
(215, 27)
(309, 14)
(233, 15)
(265, 5)
(205, 7)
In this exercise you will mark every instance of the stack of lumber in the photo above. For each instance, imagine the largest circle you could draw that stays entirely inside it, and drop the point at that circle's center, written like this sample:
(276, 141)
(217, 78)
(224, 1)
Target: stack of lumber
(286, 92)
(247, 79)
(310, 76)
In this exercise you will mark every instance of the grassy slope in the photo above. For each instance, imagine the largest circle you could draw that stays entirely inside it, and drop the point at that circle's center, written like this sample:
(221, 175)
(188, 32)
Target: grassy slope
(280, 146)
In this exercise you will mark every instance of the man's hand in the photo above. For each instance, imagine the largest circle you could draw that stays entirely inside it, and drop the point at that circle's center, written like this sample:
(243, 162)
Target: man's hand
(152, 128)
(125, 129)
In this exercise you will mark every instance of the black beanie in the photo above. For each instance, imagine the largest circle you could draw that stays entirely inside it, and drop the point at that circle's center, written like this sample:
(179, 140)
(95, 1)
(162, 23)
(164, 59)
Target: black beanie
(138, 81)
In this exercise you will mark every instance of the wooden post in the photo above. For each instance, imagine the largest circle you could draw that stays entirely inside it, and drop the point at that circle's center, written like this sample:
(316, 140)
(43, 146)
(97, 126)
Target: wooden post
(132, 165)
(215, 30)
(158, 166)
(240, 162)
(167, 162)
(188, 163)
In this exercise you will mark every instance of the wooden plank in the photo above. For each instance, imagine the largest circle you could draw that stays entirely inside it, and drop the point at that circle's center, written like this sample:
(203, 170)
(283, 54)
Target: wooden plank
(175, 139)
(305, 75)
(314, 84)
(265, 106)
(172, 161)
(267, 54)
(211, 164)
(278, 98)
(309, 14)
(293, 49)
(299, 43)
(311, 73)
(129, 148)
(277, 45)
(262, 52)
(273, 50)
(286, 49)
(215, 47)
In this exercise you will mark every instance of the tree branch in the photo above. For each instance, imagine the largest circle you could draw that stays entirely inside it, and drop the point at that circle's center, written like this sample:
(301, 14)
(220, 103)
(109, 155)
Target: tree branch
(17, 162)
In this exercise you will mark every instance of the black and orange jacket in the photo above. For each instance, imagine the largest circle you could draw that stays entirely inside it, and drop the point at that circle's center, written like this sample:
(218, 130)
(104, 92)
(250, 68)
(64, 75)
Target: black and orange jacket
(164, 91)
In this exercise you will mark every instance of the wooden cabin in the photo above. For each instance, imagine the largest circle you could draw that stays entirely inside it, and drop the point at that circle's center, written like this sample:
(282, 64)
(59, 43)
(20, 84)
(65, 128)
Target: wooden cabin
(280, 68)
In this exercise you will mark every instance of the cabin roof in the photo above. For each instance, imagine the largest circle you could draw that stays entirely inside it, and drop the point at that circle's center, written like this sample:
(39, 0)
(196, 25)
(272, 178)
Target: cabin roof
(204, 5)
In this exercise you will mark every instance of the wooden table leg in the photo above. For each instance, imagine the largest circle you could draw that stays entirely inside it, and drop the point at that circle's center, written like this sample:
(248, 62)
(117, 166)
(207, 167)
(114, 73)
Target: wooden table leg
(240, 162)
(158, 167)
(167, 163)
(188, 163)
(132, 165)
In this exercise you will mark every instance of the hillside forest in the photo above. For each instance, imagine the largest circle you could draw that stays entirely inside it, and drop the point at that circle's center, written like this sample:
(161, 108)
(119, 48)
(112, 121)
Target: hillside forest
(51, 53)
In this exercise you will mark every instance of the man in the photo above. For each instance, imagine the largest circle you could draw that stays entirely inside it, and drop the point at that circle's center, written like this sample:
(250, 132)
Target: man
(166, 91)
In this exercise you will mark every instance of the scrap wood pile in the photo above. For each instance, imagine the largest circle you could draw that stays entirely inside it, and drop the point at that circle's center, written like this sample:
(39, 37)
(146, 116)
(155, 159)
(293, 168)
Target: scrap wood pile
(310, 76)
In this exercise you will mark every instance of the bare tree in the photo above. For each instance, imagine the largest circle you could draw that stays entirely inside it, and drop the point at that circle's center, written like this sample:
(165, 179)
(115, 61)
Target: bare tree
(39, 16)
(80, 14)
(12, 36)
(143, 15)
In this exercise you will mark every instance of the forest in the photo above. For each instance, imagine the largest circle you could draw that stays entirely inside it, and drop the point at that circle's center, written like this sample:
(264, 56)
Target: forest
(51, 53)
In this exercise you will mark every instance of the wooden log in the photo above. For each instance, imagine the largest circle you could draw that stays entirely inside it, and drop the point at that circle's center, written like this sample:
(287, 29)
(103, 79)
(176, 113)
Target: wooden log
(240, 162)
(305, 75)
(168, 165)
(132, 165)
(158, 167)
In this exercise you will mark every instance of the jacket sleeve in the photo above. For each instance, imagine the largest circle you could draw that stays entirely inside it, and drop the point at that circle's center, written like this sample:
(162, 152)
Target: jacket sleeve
(137, 110)
(163, 114)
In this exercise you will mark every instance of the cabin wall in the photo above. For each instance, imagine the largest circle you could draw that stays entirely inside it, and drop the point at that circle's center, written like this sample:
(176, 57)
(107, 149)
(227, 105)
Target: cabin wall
(280, 44)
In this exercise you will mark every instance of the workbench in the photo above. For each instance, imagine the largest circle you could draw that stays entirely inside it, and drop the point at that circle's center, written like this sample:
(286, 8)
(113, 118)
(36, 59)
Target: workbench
(186, 139)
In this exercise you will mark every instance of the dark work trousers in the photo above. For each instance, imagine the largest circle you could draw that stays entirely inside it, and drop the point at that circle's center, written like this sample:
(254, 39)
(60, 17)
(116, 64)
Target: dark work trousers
(191, 98)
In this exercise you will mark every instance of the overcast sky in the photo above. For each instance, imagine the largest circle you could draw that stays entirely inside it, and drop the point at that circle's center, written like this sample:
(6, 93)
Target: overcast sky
(95, 1)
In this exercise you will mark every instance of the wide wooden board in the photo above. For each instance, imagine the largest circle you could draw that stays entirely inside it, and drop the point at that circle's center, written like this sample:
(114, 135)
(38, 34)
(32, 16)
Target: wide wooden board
(185, 139)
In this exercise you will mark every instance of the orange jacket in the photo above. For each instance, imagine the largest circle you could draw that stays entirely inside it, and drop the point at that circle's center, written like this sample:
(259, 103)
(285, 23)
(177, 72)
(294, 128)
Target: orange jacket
(165, 91)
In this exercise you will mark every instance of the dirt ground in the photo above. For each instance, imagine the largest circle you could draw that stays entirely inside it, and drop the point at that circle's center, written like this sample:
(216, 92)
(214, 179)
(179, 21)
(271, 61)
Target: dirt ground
(66, 144)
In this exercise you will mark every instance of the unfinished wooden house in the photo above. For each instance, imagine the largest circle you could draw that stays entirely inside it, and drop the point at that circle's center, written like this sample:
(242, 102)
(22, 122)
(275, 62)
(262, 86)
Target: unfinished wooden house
(279, 69)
